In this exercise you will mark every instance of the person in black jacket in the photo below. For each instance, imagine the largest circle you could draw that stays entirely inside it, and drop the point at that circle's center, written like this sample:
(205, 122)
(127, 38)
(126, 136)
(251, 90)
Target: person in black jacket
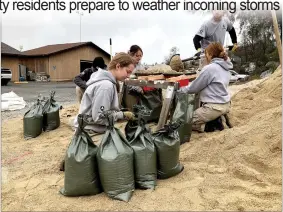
(84, 76)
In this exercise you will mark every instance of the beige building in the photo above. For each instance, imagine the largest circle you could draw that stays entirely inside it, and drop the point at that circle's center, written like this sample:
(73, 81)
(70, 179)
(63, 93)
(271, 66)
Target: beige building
(61, 61)
(10, 58)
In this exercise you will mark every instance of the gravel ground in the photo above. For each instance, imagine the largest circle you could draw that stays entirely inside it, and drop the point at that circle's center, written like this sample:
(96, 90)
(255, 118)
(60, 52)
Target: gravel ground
(65, 94)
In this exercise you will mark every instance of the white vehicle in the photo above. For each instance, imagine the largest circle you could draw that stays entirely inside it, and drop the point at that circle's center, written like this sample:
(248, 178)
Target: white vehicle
(6, 76)
(235, 77)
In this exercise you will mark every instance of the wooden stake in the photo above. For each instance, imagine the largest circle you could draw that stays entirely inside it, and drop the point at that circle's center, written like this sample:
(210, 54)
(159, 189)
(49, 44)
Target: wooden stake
(277, 35)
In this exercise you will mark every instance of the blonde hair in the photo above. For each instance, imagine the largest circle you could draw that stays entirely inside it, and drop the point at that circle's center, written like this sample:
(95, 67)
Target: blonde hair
(120, 58)
(216, 50)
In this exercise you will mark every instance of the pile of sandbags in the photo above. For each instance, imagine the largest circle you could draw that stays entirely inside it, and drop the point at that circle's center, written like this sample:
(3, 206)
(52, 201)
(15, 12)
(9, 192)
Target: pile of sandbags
(158, 69)
(121, 163)
(41, 116)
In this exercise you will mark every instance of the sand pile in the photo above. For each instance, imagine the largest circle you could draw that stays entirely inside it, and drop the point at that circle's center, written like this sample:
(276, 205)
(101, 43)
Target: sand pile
(236, 169)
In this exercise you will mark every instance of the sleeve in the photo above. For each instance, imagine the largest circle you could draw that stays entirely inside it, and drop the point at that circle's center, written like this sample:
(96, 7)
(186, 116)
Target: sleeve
(198, 84)
(229, 24)
(80, 80)
(197, 40)
(202, 31)
(102, 101)
(233, 35)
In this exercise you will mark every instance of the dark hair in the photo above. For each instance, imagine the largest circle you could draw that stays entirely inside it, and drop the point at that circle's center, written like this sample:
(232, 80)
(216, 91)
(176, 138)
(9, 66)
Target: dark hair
(98, 62)
(216, 50)
(121, 58)
(134, 49)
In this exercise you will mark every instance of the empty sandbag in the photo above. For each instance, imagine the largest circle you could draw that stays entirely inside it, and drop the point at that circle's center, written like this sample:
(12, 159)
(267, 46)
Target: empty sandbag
(184, 113)
(51, 117)
(167, 144)
(81, 170)
(33, 121)
(116, 164)
(144, 154)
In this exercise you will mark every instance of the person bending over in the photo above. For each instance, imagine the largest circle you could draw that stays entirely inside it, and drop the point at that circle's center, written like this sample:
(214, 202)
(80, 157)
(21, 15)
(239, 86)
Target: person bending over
(212, 86)
(101, 94)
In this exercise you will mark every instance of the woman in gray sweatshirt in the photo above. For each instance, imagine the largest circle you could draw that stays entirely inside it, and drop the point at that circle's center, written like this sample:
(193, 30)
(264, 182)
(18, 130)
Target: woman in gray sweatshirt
(212, 86)
(101, 94)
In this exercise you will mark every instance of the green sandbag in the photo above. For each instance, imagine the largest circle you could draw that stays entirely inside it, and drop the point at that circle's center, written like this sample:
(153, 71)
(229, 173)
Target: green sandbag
(33, 121)
(81, 170)
(184, 112)
(116, 164)
(51, 117)
(167, 145)
(144, 155)
(152, 101)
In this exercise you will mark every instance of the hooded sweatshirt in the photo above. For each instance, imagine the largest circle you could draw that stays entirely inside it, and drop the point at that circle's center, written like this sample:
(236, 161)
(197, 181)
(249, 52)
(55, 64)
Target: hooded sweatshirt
(212, 83)
(101, 94)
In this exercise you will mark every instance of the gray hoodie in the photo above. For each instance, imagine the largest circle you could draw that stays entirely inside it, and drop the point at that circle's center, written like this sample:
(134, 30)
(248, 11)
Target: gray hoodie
(101, 93)
(212, 83)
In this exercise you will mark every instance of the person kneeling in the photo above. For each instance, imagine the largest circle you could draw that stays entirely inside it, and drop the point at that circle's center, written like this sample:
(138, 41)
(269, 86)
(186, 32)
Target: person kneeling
(101, 94)
(212, 86)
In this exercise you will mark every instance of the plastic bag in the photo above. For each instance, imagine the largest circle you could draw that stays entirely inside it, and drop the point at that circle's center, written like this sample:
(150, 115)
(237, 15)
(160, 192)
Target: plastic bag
(81, 170)
(116, 164)
(51, 117)
(168, 150)
(144, 154)
(33, 121)
(184, 113)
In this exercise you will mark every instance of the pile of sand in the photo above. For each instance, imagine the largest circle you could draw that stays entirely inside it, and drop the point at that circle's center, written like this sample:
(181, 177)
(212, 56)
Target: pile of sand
(236, 169)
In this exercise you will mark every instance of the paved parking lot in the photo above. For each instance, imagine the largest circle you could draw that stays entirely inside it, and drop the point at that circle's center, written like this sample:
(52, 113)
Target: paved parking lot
(65, 94)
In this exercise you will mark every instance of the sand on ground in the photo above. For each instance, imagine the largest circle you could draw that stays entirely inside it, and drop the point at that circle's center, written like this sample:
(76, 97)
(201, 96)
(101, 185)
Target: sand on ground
(236, 169)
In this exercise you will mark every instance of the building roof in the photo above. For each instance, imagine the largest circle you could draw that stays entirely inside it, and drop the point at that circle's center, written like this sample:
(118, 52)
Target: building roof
(58, 48)
(8, 50)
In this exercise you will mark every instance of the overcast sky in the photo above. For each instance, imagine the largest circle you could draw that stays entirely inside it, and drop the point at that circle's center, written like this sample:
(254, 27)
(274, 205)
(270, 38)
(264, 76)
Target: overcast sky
(155, 32)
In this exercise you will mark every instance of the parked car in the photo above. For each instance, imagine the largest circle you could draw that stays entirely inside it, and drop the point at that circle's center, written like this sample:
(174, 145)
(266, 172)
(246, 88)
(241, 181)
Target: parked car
(235, 77)
(6, 76)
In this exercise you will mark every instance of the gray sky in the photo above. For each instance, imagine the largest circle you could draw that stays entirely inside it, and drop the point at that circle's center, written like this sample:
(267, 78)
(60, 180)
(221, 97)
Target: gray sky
(155, 32)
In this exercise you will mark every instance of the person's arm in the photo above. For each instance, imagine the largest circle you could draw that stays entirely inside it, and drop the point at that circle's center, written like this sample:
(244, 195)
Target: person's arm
(202, 81)
(233, 35)
(197, 39)
(81, 79)
(102, 102)
(201, 34)
(133, 90)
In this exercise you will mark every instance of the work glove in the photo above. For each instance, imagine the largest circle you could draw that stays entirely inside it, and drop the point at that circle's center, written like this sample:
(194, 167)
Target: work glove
(198, 52)
(129, 115)
(235, 46)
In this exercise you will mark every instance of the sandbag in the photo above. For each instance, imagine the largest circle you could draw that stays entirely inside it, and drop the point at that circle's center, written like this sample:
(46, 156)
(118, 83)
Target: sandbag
(176, 63)
(81, 170)
(116, 164)
(152, 101)
(51, 117)
(33, 121)
(184, 110)
(144, 154)
(167, 145)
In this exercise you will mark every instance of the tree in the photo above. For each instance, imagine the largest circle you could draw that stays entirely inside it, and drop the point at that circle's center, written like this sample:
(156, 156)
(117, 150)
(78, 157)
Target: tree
(174, 50)
(257, 41)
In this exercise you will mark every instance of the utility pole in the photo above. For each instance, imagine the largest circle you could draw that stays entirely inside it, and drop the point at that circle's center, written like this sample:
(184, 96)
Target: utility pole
(277, 35)
(80, 14)
(110, 48)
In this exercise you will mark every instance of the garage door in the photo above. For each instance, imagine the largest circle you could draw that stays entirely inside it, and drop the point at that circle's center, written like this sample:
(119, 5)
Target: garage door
(85, 64)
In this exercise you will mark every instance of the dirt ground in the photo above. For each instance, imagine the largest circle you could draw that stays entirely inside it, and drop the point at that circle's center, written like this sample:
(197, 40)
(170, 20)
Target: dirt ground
(236, 169)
